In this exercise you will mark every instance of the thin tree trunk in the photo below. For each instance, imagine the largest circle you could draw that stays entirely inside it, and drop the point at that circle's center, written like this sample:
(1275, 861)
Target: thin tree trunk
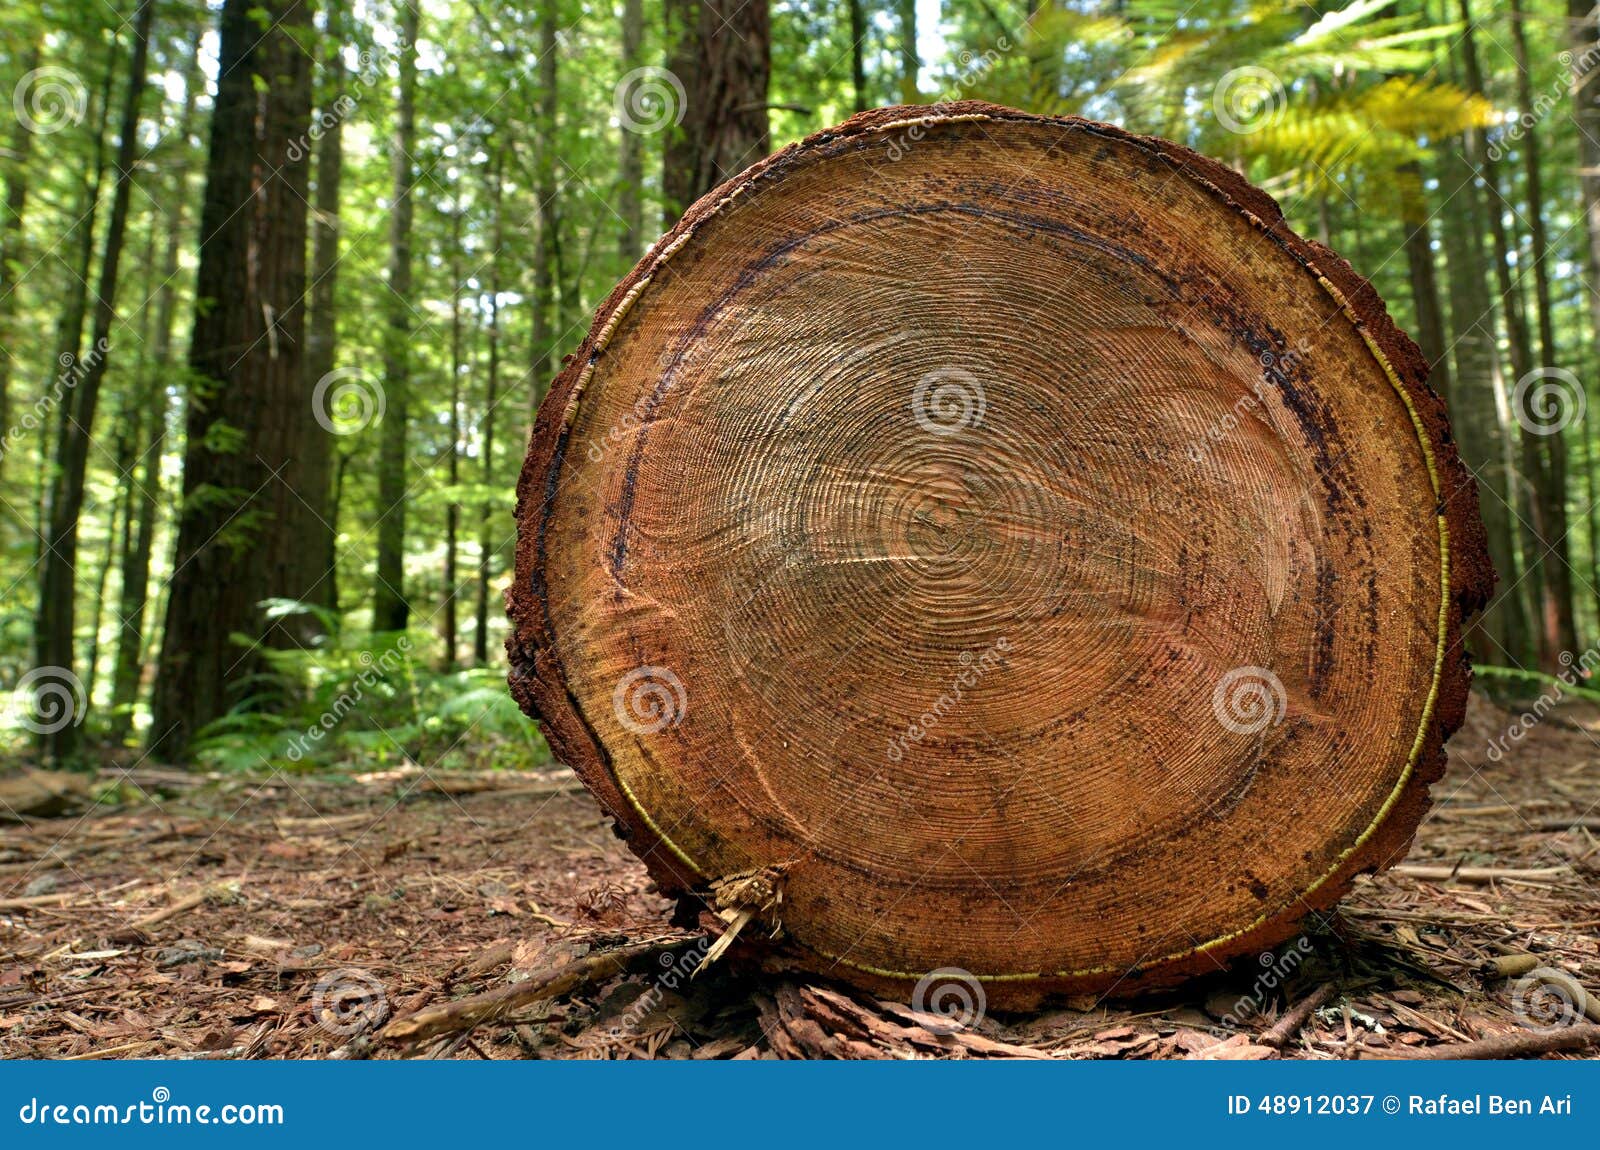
(133, 602)
(1545, 542)
(858, 61)
(1424, 280)
(630, 163)
(910, 59)
(242, 528)
(480, 634)
(1583, 30)
(390, 611)
(12, 236)
(322, 333)
(452, 512)
(58, 563)
(546, 243)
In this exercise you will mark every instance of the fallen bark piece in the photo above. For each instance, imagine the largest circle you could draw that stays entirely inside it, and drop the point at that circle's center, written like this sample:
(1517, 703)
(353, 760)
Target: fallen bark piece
(1518, 1044)
(1284, 1030)
(1010, 532)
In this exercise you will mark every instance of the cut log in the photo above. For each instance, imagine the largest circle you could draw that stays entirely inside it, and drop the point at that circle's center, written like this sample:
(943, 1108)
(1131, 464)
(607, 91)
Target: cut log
(1009, 541)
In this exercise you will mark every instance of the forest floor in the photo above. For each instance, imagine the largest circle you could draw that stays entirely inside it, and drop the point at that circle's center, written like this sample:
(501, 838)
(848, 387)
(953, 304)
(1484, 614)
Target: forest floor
(291, 917)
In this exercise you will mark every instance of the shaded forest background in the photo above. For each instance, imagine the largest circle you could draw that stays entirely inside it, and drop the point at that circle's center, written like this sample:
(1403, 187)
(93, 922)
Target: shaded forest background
(282, 283)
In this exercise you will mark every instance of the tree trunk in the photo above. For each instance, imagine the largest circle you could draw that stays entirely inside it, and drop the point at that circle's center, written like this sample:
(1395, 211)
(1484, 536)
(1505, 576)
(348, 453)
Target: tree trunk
(322, 325)
(452, 511)
(858, 62)
(547, 241)
(55, 634)
(630, 164)
(910, 58)
(390, 610)
(1074, 628)
(12, 238)
(491, 401)
(1425, 283)
(132, 603)
(722, 52)
(1583, 29)
(1545, 540)
(242, 526)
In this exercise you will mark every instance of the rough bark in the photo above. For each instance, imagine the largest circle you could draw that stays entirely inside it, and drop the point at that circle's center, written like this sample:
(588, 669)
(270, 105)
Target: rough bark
(721, 50)
(805, 621)
(390, 609)
(242, 522)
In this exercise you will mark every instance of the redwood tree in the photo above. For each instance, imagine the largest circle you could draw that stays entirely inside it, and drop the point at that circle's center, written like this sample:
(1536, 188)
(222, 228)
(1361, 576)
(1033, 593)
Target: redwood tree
(241, 536)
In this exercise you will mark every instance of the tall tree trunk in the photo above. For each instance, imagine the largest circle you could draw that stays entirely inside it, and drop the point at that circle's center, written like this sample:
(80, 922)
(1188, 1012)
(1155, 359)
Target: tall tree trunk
(491, 399)
(1545, 542)
(630, 163)
(1583, 31)
(322, 333)
(1424, 279)
(12, 236)
(452, 512)
(58, 563)
(1501, 634)
(248, 416)
(132, 605)
(722, 51)
(858, 60)
(910, 59)
(1555, 444)
(547, 242)
(390, 611)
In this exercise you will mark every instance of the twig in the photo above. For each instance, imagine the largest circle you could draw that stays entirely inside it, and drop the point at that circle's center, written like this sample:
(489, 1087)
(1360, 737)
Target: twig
(1523, 1044)
(1479, 873)
(187, 903)
(1295, 1017)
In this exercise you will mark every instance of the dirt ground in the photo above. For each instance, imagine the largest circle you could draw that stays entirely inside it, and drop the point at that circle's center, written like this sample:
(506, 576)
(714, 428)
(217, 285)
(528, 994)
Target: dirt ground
(292, 917)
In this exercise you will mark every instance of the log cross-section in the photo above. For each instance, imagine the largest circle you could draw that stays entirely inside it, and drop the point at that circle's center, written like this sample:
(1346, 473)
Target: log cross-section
(1012, 542)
